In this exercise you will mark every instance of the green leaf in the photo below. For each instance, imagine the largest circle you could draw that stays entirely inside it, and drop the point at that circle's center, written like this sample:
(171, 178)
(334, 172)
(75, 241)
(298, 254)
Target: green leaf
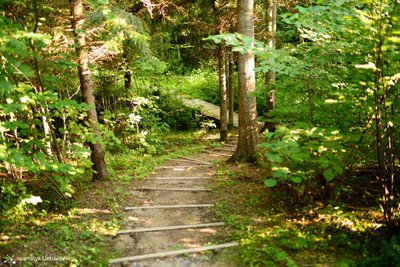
(329, 175)
(273, 157)
(270, 182)
(281, 172)
(297, 179)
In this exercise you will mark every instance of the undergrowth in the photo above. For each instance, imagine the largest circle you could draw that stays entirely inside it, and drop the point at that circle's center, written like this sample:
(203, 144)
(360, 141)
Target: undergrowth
(80, 234)
(274, 230)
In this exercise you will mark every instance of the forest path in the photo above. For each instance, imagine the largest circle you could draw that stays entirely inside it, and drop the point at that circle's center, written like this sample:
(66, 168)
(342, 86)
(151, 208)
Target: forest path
(156, 229)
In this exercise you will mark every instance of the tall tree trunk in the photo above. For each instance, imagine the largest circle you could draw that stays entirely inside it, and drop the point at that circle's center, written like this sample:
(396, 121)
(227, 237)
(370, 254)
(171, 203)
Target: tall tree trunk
(128, 79)
(46, 118)
(270, 75)
(231, 92)
(127, 71)
(247, 101)
(85, 77)
(222, 91)
(222, 73)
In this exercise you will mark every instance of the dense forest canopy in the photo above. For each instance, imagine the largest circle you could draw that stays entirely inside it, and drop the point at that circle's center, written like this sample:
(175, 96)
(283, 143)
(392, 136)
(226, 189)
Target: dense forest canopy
(83, 81)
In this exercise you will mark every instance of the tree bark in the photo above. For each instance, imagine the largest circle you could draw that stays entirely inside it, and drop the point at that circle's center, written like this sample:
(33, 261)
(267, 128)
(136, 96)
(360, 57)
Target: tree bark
(270, 75)
(248, 130)
(231, 92)
(85, 77)
(222, 73)
(127, 79)
(127, 73)
(222, 90)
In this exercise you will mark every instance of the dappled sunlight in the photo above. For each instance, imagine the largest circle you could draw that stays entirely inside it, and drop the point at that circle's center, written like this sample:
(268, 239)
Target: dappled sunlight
(133, 219)
(103, 227)
(91, 211)
(208, 231)
(190, 242)
(147, 221)
(148, 202)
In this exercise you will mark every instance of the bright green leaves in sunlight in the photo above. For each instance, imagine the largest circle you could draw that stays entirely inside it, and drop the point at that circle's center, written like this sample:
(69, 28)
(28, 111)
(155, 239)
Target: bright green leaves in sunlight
(240, 42)
(270, 182)
(300, 155)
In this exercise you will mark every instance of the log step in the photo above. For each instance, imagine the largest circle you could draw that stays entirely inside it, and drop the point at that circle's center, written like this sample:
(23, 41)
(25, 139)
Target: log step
(224, 149)
(168, 228)
(230, 145)
(182, 166)
(217, 153)
(196, 160)
(180, 178)
(172, 189)
(172, 253)
(170, 206)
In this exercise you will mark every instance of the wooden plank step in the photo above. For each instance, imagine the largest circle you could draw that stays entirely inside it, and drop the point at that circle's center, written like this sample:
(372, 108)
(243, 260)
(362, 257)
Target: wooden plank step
(170, 206)
(225, 149)
(193, 162)
(180, 178)
(172, 253)
(171, 189)
(197, 160)
(182, 166)
(168, 228)
(216, 153)
(230, 145)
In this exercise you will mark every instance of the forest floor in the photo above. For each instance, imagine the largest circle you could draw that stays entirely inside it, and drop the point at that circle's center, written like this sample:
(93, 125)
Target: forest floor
(272, 228)
(83, 232)
(193, 175)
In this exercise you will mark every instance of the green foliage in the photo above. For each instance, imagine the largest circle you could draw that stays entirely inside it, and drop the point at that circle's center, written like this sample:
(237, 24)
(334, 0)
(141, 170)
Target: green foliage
(386, 251)
(307, 159)
(202, 84)
(15, 205)
(175, 114)
(129, 164)
(240, 42)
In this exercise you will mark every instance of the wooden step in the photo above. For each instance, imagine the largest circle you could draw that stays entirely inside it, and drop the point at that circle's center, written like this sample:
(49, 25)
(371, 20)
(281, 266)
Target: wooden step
(172, 253)
(182, 166)
(170, 206)
(180, 178)
(216, 153)
(224, 149)
(230, 145)
(168, 228)
(196, 160)
(171, 189)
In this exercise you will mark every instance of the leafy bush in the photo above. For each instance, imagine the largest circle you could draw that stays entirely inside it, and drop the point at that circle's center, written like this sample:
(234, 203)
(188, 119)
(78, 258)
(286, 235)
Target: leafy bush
(201, 84)
(387, 251)
(175, 114)
(308, 159)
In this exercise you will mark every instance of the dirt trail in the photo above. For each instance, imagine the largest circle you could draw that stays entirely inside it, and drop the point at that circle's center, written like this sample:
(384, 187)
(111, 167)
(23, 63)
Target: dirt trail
(174, 174)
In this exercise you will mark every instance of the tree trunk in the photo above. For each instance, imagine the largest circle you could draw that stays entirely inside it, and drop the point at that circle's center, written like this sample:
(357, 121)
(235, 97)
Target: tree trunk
(247, 101)
(127, 79)
(270, 75)
(127, 72)
(222, 91)
(222, 73)
(85, 77)
(231, 92)
(46, 118)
